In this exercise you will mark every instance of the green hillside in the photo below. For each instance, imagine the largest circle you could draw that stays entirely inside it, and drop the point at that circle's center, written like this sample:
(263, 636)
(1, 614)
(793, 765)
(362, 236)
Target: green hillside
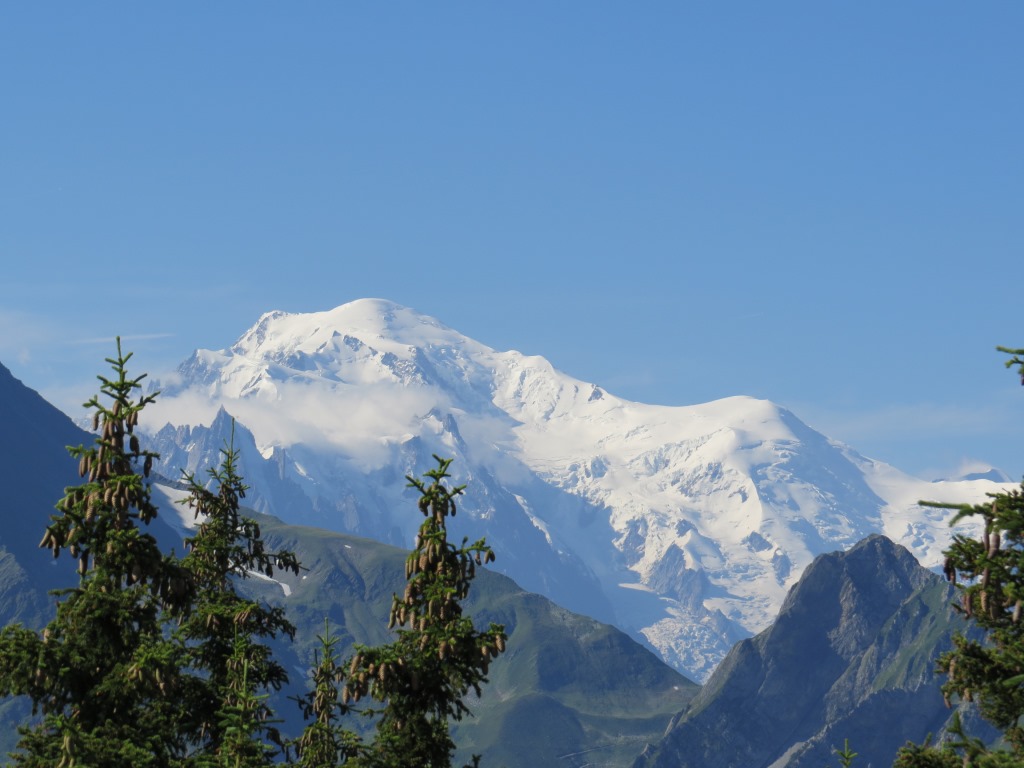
(566, 685)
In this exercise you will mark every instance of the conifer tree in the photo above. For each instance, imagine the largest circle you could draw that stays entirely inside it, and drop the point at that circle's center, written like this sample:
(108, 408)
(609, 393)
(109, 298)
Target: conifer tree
(157, 662)
(103, 674)
(243, 719)
(438, 656)
(989, 575)
(225, 633)
(324, 742)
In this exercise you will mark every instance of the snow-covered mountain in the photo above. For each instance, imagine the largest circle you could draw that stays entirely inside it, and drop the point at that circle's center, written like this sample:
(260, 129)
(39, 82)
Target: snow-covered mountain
(685, 526)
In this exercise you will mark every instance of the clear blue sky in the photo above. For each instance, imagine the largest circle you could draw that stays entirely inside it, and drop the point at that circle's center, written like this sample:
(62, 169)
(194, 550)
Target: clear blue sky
(818, 203)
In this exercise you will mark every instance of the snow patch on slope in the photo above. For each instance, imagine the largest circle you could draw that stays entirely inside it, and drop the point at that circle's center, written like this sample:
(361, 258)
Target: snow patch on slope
(688, 524)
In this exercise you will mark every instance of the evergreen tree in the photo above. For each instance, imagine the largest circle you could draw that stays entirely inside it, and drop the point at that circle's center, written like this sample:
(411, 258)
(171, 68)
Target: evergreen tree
(157, 662)
(224, 634)
(324, 743)
(438, 656)
(989, 574)
(103, 673)
(243, 718)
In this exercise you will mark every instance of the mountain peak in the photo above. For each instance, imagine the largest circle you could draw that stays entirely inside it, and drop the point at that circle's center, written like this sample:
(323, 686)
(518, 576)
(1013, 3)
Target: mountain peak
(715, 508)
(366, 320)
(849, 656)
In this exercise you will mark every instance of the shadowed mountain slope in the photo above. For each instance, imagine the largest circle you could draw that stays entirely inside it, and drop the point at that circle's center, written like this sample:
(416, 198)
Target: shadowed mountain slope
(566, 684)
(850, 656)
(684, 526)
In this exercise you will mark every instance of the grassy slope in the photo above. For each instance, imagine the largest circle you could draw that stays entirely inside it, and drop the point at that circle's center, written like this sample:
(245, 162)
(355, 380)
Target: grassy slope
(567, 684)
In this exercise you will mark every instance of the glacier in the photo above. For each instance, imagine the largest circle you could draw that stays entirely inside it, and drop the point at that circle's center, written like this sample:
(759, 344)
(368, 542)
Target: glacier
(683, 525)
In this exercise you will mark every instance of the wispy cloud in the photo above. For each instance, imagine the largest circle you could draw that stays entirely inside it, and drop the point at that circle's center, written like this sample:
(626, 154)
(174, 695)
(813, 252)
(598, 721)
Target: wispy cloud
(930, 440)
(916, 420)
(360, 422)
(50, 356)
(22, 332)
(111, 339)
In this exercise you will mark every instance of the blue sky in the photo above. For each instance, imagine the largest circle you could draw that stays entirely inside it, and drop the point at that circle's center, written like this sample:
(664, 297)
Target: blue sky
(817, 203)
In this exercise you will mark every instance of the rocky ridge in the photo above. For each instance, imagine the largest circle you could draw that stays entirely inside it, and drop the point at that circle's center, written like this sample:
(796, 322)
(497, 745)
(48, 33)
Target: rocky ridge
(685, 526)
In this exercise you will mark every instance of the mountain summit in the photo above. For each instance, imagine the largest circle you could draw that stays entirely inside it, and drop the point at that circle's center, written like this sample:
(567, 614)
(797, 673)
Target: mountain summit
(850, 656)
(685, 526)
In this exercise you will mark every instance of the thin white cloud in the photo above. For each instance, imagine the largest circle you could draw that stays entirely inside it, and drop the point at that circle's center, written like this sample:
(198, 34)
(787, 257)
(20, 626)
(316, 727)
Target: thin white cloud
(70, 398)
(25, 336)
(966, 467)
(360, 423)
(929, 440)
(906, 421)
(113, 339)
(22, 330)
